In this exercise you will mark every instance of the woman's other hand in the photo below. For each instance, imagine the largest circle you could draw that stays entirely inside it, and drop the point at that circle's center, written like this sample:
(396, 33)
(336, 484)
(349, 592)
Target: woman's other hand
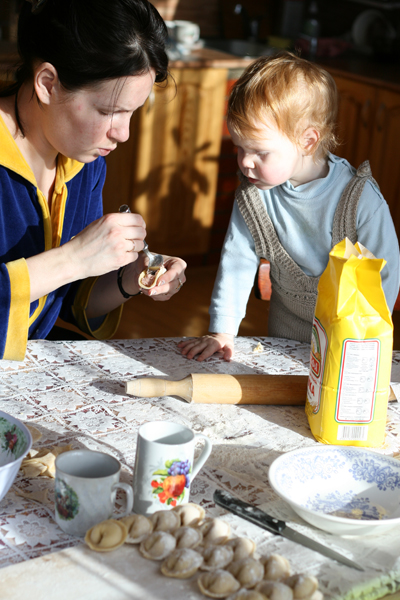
(207, 345)
(170, 282)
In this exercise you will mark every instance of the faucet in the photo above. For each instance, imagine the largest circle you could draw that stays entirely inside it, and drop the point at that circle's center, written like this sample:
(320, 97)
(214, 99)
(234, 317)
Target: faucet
(250, 25)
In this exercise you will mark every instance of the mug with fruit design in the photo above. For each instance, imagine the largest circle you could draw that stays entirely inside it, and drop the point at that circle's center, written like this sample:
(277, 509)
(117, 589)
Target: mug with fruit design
(164, 467)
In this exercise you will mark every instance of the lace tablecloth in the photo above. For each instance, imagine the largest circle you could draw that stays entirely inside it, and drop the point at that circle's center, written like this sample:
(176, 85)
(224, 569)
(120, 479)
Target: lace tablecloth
(74, 393)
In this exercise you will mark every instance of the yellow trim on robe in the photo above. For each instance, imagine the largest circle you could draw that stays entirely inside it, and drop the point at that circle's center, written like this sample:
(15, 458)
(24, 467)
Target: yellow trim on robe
(12, 158)
(15, 347)
(110, 324)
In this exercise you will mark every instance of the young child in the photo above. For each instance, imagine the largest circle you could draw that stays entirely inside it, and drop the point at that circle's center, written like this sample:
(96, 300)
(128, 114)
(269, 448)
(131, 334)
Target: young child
(296, 201)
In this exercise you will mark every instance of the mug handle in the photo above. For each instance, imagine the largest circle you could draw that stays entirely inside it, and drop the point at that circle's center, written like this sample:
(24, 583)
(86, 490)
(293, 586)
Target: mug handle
(129, 498)
(204, 454)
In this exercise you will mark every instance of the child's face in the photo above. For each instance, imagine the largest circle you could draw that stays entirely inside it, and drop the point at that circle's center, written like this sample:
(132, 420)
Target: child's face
(270, 159)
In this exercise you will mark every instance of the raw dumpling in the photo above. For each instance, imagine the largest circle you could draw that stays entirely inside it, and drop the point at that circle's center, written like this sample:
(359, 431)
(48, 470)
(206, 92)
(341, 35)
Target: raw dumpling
(138, 527)
(247, 571)
(148, 279)
(303, 586)
(106, 536)
(242, 547)
(181, 563)
(275, 590)
(218, 584)
(276, 567)
(187, 537)
(165, 520)
(190, 512)
(247, 595)
(216, 557)
(157, 545)
(215, 531)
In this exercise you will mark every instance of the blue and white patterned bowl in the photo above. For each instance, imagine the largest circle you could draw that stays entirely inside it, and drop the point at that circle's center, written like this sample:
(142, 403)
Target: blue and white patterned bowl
(342, 489)
(15, 443)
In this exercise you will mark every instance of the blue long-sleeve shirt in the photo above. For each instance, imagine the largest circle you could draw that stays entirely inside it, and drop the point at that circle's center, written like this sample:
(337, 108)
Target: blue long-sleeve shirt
(303, 218)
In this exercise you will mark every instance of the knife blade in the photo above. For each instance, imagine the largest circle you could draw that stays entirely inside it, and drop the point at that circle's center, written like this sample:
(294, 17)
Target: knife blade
(255, 515)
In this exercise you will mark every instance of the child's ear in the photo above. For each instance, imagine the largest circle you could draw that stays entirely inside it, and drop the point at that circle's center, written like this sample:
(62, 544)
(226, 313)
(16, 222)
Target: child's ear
(45, 82)
(309, 140)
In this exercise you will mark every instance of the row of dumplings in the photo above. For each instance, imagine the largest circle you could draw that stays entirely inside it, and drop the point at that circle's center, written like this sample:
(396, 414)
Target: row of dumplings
(186, 541)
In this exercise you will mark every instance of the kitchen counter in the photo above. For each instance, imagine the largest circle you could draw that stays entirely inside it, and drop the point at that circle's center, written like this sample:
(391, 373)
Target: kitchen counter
(366, 69)
(209, 58)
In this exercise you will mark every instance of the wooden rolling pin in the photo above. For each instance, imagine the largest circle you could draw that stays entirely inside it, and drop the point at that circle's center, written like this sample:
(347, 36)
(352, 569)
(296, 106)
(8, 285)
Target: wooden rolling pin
(207, 388)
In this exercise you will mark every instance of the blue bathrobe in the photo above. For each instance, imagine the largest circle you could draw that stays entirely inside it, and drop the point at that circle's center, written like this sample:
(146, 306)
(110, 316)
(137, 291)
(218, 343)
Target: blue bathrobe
(27, 228)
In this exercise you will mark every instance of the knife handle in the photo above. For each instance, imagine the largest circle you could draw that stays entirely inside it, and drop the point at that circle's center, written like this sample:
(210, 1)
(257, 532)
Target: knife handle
(249, 512)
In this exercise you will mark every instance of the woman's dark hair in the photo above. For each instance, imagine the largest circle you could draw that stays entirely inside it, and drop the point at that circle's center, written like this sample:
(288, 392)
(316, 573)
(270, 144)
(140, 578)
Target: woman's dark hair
(89, 41)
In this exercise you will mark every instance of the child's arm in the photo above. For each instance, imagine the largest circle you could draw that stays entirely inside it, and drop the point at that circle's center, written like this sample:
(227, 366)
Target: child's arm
(207, 345)
(232, 287)
(376, 232)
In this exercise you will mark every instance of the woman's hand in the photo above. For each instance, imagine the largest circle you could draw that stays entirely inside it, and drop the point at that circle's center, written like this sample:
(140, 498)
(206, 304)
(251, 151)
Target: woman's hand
(171, 282)
(207, 345)
(111, 242)
(102, 247)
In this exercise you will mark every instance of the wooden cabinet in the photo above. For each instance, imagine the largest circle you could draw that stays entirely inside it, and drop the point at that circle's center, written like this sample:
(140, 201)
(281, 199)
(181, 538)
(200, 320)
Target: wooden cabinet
(167, 171)
(369, 128)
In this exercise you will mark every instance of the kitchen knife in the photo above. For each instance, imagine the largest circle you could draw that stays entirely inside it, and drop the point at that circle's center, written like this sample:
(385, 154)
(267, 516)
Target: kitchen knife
(259, 517)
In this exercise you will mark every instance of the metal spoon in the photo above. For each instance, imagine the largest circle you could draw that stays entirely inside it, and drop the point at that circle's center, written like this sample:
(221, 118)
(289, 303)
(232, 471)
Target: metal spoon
(155, 260)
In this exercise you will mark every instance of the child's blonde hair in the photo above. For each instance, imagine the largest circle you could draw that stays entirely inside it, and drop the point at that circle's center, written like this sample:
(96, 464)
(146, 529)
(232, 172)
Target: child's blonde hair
(293, 92)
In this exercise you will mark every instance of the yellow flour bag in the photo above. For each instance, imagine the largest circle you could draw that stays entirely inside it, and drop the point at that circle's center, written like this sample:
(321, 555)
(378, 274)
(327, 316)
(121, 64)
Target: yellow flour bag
(351, 351)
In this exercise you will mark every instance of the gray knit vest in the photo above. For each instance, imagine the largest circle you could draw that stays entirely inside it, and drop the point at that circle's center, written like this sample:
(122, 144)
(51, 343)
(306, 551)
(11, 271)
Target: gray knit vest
(294, 294)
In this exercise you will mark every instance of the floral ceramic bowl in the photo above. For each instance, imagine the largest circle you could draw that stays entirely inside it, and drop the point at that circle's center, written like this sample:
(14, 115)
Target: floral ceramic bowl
(15, 443)
(342, 489)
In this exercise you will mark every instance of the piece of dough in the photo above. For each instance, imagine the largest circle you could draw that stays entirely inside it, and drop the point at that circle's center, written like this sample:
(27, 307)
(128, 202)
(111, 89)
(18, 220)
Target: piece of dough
(106, 536)
(187, 537)
(258, 348)
(216, 557)
(157, 545)
(217, 584)
(190, 512)
(165, 520)
(35, 433)
(149, 279)
(138, 526)
(215, 531)
(182, 563)
(242, 547)
(248, 571)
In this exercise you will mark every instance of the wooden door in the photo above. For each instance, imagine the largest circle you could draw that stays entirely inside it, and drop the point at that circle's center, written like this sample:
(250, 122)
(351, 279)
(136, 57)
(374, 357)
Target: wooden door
(355, 119)
(385, 150)
(168, 169)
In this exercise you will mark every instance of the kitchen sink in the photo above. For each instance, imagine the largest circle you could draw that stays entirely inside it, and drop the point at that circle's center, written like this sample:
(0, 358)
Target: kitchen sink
(246, 48)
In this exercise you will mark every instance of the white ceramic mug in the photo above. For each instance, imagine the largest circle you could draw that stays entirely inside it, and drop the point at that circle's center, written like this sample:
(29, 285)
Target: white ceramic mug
(164, 466)
(85, 490)
(186, 33)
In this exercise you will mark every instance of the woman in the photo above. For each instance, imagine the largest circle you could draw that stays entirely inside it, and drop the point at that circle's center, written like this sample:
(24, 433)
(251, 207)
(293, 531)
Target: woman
(86, 66)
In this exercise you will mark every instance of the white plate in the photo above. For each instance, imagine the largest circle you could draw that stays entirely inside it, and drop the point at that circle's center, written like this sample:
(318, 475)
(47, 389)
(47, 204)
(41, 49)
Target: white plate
(342, 489)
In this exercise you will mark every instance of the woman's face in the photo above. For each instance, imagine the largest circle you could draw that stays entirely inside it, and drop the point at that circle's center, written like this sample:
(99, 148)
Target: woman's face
(89, 123)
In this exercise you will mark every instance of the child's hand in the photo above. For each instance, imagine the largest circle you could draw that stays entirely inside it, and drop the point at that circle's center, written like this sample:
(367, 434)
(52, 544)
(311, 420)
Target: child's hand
(207, 345)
